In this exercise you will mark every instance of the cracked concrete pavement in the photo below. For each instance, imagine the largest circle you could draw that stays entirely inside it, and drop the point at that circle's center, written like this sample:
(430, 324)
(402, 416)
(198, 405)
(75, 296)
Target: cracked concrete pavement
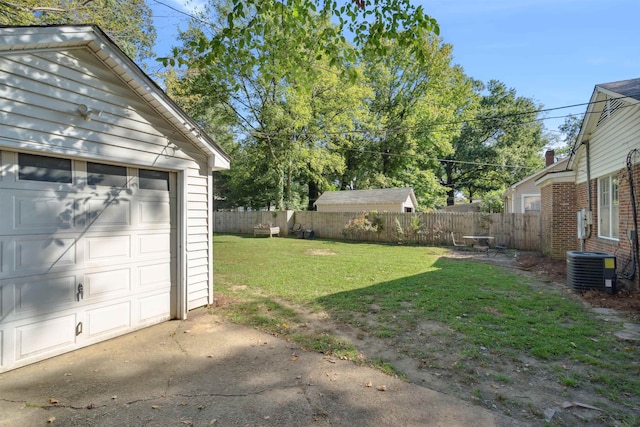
(204, 372)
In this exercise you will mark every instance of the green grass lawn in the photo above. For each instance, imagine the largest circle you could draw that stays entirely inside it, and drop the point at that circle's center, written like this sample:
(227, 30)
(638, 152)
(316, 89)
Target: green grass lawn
(487, 306)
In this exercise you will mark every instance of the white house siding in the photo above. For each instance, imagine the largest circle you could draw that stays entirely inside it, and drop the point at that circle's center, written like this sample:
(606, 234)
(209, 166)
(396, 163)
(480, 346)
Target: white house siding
(610, 143)
(39, 96)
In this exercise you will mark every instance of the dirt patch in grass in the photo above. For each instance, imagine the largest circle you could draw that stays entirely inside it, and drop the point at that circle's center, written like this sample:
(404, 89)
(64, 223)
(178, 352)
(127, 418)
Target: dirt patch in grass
(320, 252)
(556, 393)
(625, 301)
(429, 353)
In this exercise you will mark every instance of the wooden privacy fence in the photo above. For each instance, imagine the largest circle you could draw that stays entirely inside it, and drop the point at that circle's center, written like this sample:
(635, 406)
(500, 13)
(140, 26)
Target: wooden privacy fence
(515, 231)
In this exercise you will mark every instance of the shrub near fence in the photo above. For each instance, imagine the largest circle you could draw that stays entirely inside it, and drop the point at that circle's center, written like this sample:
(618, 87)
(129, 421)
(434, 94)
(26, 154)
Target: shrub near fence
(516, 231)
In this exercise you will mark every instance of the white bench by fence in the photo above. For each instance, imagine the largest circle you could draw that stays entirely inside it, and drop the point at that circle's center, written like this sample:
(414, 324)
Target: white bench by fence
(270, 231)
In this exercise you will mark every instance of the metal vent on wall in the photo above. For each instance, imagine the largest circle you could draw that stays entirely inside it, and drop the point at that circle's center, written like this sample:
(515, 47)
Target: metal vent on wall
(610, 108)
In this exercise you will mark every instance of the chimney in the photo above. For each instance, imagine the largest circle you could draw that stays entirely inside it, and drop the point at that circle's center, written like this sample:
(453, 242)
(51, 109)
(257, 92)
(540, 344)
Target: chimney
(550, 157)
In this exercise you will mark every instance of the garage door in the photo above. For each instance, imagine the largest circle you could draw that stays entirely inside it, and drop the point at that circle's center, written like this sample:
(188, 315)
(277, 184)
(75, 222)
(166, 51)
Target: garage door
(87, 252)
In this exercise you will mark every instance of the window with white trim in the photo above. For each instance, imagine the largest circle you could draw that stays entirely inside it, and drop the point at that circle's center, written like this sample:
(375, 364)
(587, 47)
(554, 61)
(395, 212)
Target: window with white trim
(608, 207)
(531, 203)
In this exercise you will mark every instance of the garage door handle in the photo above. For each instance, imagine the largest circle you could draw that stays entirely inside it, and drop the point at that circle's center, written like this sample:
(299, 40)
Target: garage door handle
(80, 294)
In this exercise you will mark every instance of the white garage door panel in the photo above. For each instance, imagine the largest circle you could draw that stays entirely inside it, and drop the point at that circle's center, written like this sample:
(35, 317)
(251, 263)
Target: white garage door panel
(107, 212)
(154, 212)
(154, 244)
(154, 275)
(108, 319)
(154, 307)
(33, 212)
(107, 284)
(44, 336)
(118, 244)
(103, 247)
(44, 253)
(42, 295)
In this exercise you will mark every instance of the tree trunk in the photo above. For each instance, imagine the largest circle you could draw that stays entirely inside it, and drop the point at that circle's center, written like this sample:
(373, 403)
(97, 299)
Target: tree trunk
(313, 194)
(451, 196)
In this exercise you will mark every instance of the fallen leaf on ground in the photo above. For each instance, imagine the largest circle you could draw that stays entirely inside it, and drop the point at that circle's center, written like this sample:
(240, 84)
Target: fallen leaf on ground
(53, 401)
(369, 384)
(382, 388)
(51, 420)
(155, 406)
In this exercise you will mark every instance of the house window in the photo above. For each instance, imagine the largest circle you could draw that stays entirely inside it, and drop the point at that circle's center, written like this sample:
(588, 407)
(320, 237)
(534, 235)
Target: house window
(106, 175)
(608, 207)
(153, 180)
(32, 167)
(531, 203)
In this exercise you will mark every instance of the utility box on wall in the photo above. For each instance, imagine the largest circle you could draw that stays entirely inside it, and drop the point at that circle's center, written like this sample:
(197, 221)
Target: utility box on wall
(591, 271)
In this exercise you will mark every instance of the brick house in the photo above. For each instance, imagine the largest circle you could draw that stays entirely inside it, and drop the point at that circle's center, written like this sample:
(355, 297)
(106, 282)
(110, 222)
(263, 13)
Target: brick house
(524, 196)
(588, 206)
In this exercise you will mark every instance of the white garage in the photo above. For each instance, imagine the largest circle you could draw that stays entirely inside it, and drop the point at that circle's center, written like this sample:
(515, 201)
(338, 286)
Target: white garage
(105, 196)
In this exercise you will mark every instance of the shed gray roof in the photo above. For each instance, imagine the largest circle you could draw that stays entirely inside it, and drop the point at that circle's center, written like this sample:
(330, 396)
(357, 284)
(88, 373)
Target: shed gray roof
(628, 88)
(364, 197)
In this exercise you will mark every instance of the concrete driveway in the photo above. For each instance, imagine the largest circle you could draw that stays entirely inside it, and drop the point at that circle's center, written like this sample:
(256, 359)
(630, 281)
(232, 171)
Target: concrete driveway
(206, 372)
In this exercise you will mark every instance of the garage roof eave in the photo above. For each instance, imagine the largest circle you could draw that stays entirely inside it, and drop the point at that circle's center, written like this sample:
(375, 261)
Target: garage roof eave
(25, 38)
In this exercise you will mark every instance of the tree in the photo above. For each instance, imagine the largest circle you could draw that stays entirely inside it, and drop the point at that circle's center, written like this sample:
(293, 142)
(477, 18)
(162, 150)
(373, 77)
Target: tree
(500, 146)
(570, 130)
(239, 29)
(413, 106)
(127, 22)
(289, 120)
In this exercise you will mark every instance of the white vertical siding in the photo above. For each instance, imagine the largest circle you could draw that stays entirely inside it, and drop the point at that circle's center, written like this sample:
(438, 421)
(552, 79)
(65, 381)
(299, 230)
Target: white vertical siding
(198, 246)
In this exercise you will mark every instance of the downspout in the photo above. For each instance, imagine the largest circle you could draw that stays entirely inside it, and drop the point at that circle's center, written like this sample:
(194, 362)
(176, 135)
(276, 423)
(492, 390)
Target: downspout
(588, 234)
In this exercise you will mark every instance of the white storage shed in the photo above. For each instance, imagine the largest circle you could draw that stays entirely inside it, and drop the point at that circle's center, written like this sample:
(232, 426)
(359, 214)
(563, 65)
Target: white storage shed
(382, 200)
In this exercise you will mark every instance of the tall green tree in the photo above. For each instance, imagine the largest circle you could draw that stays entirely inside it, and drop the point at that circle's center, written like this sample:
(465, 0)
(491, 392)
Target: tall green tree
(413, 106)
(240, 27)
(127, 22)
(287, 119)
(498, 147)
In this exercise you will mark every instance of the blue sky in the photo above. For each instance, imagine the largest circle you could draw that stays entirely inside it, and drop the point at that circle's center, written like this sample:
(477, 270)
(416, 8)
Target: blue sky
(553, 51)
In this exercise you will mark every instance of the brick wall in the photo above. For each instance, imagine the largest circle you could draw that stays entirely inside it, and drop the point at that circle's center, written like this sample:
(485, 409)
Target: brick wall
(558, 222)
(558, 219)
(622, 248)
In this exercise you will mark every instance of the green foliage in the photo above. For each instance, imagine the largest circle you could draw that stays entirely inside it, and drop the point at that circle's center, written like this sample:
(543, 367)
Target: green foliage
(570, 130)
(127, 22)
(492, 201)
(245, 27)
(367, 222)
(499, 147)
(311, 114)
